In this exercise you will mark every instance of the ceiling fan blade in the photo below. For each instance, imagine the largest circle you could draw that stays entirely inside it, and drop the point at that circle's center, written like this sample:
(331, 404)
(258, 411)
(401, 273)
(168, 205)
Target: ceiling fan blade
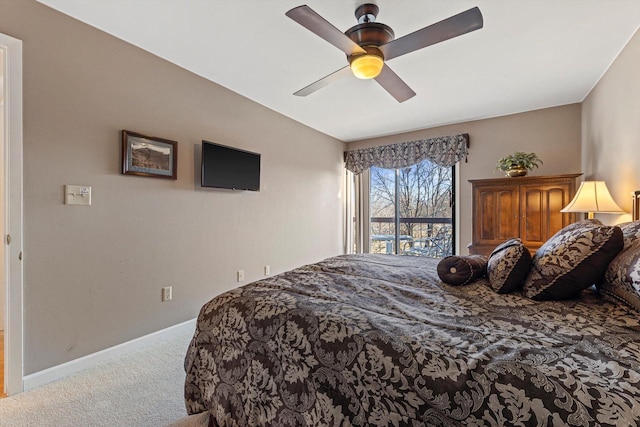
(393, 84)
(344, 71)
(446, 29)
(315, 23)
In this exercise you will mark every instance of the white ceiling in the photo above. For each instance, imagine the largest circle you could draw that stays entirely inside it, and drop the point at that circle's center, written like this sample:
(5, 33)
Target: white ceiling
(530, 54)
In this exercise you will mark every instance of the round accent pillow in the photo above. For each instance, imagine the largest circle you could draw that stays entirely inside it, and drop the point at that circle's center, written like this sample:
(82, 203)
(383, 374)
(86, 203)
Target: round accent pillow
(462, 269)
(575, 258)
(508, 266)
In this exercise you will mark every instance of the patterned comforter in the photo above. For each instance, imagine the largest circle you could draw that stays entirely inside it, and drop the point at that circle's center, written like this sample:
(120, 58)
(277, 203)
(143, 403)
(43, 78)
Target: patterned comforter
(367, 340)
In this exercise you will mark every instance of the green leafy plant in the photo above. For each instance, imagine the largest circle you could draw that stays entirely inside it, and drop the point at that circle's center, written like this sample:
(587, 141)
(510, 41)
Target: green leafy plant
(519, 159)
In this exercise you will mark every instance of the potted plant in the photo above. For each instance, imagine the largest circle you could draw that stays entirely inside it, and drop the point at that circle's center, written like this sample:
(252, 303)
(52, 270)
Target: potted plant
(518, 163)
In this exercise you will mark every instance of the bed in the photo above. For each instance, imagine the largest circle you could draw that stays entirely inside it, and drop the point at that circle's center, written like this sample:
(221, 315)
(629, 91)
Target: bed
(367, 340)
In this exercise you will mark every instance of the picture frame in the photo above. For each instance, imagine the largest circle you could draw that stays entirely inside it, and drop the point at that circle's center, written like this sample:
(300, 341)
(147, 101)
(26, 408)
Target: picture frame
(150, 156)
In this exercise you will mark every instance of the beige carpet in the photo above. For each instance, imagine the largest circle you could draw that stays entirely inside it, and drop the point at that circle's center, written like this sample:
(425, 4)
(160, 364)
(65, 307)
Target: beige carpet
(144, 388)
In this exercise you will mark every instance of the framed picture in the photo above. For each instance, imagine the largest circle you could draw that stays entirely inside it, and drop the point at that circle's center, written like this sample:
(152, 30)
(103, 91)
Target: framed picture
(149, 156)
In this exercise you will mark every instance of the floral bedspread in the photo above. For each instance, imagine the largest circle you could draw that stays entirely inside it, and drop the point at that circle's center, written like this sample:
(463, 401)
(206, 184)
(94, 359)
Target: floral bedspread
(368, 340)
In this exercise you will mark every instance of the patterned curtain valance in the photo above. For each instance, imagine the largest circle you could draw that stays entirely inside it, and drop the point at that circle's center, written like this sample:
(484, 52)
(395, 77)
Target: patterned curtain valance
(444, 151)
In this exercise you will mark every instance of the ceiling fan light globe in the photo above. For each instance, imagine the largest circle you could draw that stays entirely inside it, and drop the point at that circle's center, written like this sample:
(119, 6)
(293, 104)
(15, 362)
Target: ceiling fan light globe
(367, 66)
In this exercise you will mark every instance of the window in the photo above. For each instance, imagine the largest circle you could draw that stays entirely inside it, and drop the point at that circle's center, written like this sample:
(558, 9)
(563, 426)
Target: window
(411, 210)
(400, 197)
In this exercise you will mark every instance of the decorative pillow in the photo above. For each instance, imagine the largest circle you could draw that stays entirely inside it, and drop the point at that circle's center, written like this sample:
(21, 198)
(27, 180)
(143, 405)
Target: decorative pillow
(630, 232)
(508, 266)
(622, 278)
(575, 258)
(460, 270)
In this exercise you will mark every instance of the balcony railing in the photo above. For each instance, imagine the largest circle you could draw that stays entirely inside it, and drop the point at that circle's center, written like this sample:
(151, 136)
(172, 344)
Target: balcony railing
(430, 237)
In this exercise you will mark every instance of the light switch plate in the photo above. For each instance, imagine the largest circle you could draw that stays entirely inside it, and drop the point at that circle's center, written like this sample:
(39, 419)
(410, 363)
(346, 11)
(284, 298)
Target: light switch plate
(77, 195)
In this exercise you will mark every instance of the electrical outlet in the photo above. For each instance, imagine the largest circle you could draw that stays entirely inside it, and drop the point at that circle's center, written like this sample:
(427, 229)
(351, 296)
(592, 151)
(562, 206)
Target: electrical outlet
(267, 270)
(167, 293)
(240, 275)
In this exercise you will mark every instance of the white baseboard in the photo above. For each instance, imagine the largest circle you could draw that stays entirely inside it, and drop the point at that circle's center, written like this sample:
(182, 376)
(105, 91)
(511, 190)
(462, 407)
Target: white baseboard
(58, 372)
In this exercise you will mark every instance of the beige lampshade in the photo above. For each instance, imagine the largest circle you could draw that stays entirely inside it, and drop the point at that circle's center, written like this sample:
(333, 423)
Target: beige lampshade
(593, 196)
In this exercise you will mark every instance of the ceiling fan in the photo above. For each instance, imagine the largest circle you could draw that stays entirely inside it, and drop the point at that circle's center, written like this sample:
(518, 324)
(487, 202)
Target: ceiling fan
(369, 44)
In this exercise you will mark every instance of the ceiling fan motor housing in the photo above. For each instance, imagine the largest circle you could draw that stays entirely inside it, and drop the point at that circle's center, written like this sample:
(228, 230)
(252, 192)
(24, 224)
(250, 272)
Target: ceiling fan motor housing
(370, 34)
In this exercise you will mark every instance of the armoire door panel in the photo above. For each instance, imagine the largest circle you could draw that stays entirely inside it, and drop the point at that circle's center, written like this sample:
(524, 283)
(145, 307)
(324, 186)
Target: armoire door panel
(507, 215)
(497, 214)
(556, 220)
(486, 215)
(531, 208)
(541, 212)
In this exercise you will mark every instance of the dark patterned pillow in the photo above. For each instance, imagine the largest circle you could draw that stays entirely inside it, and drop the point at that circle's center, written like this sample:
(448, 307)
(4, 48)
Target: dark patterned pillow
(630, 232)
(508, 266)
(460, 270)
(575, 258)
(622, 278)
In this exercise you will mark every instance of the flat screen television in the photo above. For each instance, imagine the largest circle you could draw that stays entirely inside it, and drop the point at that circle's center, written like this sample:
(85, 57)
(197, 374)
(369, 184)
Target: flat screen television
(227, 167)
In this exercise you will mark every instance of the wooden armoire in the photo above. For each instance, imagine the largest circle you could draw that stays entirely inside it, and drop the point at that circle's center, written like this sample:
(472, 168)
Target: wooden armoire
(526, 207)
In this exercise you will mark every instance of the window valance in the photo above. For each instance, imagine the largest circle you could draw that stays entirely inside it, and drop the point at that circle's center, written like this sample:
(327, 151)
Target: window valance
(444, 151)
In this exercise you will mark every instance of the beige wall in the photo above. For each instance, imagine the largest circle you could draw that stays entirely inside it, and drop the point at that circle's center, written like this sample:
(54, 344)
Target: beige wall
(93, 275)
(611, 129)
(553, 133)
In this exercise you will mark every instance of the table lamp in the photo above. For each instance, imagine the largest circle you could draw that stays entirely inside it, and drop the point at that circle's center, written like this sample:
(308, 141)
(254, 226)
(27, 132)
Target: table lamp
(592, 197)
